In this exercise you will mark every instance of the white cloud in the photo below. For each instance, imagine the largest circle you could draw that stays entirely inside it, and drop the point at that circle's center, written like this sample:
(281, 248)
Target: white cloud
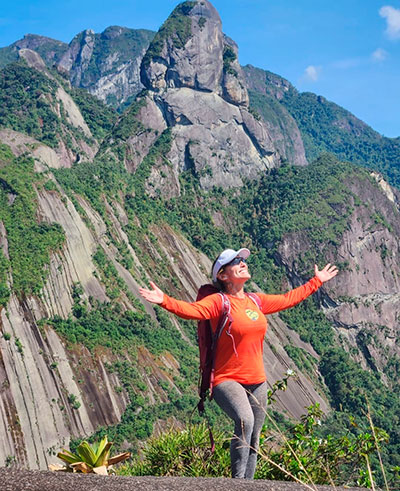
(312, 73)
(392, 17)
(379, 55)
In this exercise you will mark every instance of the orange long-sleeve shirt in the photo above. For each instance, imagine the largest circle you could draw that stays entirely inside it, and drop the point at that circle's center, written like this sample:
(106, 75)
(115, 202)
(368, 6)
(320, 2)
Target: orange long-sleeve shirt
(239, 356)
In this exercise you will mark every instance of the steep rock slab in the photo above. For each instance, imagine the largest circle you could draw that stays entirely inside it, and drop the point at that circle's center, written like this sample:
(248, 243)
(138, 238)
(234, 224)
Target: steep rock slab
(35, 393)
(75, 140)
(366, 309)
(193, 76)
(265, 91)
(42, 402)
(216, 139)
(19, 143)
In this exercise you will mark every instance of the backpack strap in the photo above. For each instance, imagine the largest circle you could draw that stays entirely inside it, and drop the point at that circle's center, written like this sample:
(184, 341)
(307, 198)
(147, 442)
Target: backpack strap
(225, 321)
(256, 299)
(225, 316)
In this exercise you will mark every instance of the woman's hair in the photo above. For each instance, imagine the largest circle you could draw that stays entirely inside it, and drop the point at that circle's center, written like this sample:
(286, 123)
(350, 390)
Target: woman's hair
(217, 283)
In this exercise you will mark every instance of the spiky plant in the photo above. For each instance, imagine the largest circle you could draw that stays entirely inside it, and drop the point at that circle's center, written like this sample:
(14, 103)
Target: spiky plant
(89, 458)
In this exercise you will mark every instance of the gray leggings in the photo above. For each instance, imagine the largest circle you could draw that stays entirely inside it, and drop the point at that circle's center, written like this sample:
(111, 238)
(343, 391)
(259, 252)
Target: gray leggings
(246, 405)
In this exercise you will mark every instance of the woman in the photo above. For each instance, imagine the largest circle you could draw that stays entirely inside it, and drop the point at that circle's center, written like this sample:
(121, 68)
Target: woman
(240, 387)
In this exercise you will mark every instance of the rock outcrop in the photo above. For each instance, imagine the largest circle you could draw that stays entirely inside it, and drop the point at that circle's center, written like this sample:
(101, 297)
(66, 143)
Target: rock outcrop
(49, 49)
(194, 80)
(107, 64)
(76, 143)
(265, 89)
(366, 292)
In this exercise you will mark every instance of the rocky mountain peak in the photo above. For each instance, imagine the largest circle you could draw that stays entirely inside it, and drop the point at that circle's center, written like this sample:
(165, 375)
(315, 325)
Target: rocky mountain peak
(107, 64)
(190, 50)
(187, 51)
(81, 47)
(34, 42)
(196, 89)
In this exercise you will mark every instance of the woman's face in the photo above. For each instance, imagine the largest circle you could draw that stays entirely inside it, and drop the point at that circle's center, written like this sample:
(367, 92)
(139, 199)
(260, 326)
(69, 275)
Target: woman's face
(235, 273)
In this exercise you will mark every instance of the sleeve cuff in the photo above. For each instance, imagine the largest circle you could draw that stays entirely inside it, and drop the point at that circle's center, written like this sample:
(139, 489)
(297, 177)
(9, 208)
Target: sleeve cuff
(317, 282)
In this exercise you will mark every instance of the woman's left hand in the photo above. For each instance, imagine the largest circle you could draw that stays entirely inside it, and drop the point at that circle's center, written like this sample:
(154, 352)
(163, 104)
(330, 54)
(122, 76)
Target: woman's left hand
(326, 274)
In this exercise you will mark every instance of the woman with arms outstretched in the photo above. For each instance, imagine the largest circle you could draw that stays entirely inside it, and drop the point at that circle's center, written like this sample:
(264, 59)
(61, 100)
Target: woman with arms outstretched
(240, 387)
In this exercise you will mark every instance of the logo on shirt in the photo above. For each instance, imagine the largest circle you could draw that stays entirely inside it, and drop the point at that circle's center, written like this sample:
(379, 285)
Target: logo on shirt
(251, 314)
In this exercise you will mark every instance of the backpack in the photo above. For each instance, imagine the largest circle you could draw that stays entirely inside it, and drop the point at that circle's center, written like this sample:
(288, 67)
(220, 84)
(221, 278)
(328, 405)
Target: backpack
(208, 341)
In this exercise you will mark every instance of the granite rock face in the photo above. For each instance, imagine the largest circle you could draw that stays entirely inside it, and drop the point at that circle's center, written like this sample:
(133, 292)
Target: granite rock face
(193, 76)
(81, 48)
(187, 50)
(266, 90)
(76, 143)
(366, 292)
(107, 64)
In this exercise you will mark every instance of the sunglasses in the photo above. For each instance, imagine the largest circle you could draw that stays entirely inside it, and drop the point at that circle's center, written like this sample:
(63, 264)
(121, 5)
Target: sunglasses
(236, 260)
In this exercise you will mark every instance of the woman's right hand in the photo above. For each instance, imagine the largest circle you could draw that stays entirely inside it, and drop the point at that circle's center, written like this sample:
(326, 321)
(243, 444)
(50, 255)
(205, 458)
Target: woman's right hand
(154, 296)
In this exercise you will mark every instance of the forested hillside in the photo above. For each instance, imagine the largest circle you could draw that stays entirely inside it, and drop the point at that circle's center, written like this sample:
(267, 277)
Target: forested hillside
(324, 126)
(96, 203)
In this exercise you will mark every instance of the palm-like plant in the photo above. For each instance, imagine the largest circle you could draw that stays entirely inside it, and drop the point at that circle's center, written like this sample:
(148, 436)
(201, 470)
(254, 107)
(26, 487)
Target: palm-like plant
(95, 458)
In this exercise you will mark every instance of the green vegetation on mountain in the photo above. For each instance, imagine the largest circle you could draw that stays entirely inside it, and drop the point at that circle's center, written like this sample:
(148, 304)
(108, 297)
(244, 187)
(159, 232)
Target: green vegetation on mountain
(4, 290)
(49, 49)
(98, 116)
(124, 332)
(355, 391)
(229, 56)
(177, 28)
(30, 105)
(29, 242)
(128, 125)
(267, 107)
(8, 55)
(26, 98)
(297, 454)
(326, 127)
(94, 180)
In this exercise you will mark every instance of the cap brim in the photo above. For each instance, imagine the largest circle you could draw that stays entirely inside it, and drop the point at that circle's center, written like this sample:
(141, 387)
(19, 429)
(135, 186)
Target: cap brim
(244, 253)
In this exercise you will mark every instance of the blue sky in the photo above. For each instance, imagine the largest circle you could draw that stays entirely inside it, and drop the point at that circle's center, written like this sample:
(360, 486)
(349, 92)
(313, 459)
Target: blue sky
(346, 50)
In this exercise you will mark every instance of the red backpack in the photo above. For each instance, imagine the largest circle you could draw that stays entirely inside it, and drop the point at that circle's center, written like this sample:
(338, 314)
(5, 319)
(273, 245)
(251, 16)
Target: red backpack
(208, 341)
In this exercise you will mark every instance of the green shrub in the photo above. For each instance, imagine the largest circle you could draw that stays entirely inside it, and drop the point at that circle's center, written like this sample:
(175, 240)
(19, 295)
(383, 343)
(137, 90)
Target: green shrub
(334, 459)
(182, 453)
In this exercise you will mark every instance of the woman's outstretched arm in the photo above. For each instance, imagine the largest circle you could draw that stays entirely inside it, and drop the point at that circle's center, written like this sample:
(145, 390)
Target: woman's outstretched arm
(207, 308)
(276, 303)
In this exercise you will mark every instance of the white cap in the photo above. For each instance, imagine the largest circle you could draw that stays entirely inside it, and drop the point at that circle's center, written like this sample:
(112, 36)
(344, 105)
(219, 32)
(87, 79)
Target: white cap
(226, 257)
